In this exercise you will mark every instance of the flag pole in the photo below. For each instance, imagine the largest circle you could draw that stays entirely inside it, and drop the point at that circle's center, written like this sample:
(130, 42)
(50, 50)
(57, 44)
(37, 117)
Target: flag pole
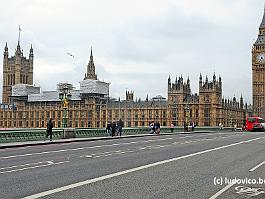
(19, 29)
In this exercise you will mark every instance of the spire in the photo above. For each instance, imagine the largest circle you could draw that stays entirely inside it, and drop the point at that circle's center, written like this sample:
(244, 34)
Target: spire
(31, 52)
(6, 51)
(169, 80)
(200, 78)
(91, 54)
(6, 48)
(262, 25)
(31, 49)
(18, 48)
(18, 43)
(91, 74)
(146, 98)
(214, 77)
(200, 81)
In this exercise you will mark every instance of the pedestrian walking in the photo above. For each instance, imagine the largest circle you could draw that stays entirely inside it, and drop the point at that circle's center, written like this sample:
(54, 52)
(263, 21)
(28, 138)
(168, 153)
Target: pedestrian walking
(50, 125)
(108, 129)
(157, 128)
(113, 128)
(192, 126)
(186, 127)
(119, 126)
(152, 124)
(154, 127)
(220, 126)
(172, 127)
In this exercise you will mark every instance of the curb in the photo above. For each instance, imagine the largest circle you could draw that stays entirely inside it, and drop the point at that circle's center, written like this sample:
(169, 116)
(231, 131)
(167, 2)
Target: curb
(17, 144)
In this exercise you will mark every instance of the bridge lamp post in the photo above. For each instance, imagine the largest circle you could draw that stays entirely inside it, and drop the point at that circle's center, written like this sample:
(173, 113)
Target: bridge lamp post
(65, 96)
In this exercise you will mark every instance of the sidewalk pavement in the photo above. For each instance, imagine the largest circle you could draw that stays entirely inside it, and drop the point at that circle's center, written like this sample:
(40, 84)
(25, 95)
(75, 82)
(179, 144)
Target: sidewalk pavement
(58, 141)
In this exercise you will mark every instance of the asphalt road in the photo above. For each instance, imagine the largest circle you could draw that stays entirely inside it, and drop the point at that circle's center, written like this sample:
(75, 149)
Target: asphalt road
(173, 166)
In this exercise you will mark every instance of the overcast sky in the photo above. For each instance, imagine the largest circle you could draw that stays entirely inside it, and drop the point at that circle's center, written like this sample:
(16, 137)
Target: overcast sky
(136, 44)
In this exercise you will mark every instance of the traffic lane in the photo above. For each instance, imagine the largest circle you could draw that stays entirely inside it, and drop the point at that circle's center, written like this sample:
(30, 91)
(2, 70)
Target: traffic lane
(113, 149)
(83, 169)
(191, 177)
(76, 146)
(39, 148)
(77, 152)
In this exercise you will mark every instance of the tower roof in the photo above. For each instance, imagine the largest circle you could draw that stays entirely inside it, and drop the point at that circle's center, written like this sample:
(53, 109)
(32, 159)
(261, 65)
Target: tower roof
(6, 48)
(91, 53)
(31, 49)
(261, 37)
(262, 25)
(91, 71)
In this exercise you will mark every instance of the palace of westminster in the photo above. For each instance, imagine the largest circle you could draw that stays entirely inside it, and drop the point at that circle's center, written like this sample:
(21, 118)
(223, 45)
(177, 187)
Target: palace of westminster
(24, 105)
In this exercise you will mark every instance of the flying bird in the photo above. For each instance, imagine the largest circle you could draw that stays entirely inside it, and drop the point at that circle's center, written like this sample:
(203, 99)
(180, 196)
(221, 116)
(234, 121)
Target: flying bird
(70, 55)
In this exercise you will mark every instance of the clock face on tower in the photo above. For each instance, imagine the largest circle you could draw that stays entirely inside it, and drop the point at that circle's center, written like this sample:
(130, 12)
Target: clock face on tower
(261, 58)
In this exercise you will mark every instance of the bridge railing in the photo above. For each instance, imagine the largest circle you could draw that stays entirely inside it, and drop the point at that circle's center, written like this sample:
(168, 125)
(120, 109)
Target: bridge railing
(19, 135)
(34, 134)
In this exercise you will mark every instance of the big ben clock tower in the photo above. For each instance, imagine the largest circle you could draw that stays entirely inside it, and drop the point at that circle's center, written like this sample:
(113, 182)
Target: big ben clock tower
(258, 71)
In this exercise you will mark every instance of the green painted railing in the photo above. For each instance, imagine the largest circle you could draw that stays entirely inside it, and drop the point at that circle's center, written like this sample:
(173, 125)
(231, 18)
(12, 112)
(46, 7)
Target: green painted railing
(16, 135)
(102, 132)
(20, 135)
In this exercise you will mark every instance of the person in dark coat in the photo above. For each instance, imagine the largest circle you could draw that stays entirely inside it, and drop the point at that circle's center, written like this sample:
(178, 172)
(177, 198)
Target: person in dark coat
(154, 127)
(157, 127)
(108, 129)
(50, 125)
(119, 126)
(113, 128)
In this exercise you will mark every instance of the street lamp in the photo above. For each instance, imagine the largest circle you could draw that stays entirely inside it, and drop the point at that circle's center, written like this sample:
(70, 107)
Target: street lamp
(65, 96)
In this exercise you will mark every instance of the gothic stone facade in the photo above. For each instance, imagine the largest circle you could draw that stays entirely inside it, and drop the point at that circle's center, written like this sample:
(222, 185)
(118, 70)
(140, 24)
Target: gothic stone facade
(91, 106)
(16, 70)
(206, 108)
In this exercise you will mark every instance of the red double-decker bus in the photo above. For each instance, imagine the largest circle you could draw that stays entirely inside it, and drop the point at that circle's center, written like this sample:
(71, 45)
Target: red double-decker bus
(255, 123)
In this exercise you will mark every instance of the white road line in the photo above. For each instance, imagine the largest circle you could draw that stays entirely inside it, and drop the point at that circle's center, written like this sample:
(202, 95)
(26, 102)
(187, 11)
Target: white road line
(222, 191)
(86, 182)
(21, 165)
(109, 154)
(103, 153)
(98, 156)
(81, 148)
(174, 143)
(254, 168)
(27, 168)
